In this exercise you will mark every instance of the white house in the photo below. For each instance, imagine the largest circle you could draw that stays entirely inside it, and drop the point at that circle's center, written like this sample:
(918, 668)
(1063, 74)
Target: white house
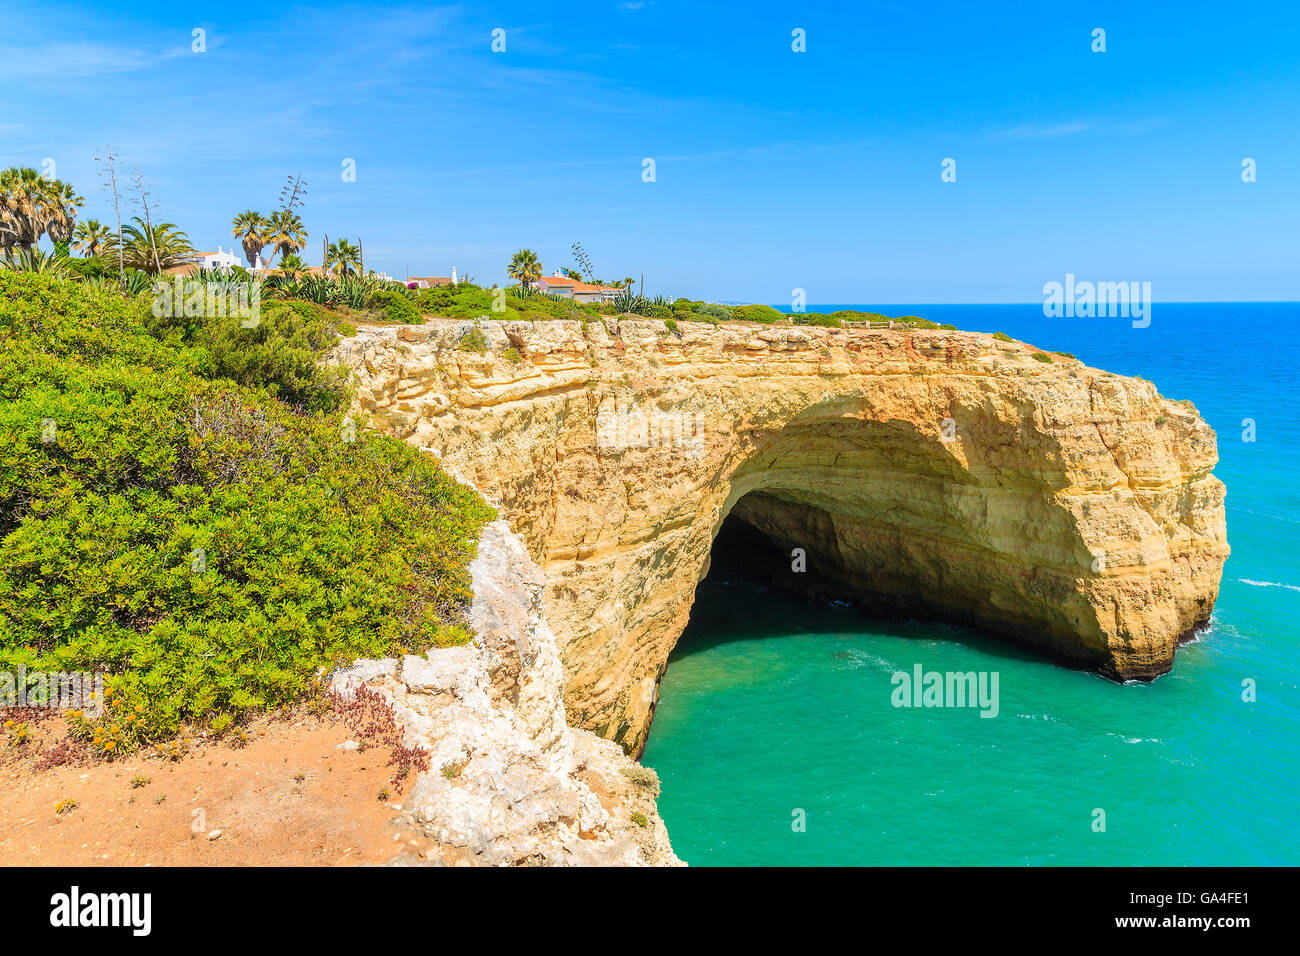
(577, 291)
(221, 259)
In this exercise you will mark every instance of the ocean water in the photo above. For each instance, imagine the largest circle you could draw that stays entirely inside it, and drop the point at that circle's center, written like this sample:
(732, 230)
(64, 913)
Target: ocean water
(774, 710)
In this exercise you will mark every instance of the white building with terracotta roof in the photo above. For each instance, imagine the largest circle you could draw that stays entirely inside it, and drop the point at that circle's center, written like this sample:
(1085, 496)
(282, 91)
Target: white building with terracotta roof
(576, 290)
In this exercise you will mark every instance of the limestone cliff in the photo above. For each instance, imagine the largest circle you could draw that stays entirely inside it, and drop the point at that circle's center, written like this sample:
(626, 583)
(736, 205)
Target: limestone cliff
(509, 782)
(934, 472)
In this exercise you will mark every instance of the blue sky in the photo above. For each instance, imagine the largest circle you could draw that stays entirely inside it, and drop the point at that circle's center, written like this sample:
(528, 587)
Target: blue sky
(775, 170)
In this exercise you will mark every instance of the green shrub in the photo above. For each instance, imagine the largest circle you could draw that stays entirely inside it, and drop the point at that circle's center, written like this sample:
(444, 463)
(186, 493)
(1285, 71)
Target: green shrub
(206, 546)
(282, 352)
(396, 306)
(86, 268)
(756, 313)
(671, 325)
(461, 301)
(512, 355)
(474, 340)
(1003, 337)
(720, 313)
(1042, 357)
(820, 319)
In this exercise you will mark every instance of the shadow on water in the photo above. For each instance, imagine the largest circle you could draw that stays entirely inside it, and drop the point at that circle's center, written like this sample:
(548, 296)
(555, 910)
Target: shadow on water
(732, 605)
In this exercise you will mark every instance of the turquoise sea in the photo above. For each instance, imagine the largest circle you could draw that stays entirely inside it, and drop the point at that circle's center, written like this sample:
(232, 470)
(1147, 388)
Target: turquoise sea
(771, 705)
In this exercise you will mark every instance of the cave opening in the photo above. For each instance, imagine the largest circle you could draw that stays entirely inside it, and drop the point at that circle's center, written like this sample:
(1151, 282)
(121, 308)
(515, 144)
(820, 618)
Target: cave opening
(797, 548)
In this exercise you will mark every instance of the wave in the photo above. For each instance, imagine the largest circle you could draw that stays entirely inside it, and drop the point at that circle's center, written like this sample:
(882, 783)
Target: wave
(1268, 584)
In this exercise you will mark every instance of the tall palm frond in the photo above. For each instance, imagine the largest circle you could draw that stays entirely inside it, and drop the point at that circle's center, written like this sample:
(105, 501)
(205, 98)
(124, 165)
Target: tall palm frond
(285, 232)
(252, 229)
(526, 267)
(89, 237)
(140, 241)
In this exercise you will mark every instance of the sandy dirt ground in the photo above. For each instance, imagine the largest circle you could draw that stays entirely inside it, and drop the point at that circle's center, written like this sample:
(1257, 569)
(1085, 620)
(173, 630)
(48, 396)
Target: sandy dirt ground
(286, 797)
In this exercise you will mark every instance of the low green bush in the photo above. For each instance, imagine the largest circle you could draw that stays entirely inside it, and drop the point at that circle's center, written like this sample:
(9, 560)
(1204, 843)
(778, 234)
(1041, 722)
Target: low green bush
(396, 306)
(474, 340)
(720, 313)
(205, 545)
(756, 313)
(819, 319)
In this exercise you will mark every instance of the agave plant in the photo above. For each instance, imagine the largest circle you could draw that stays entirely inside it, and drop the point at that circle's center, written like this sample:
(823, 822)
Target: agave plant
(33, 260)
(629, 303)
(138, 282)
(319, 289)
(356, 291)
(101, 283)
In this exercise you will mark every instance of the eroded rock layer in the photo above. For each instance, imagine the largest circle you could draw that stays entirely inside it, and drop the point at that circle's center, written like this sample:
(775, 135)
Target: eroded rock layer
(1066, 508)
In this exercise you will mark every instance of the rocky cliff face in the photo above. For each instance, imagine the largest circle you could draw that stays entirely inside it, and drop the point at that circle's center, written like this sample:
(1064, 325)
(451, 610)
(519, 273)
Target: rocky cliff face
(931, 472)
(509, 782)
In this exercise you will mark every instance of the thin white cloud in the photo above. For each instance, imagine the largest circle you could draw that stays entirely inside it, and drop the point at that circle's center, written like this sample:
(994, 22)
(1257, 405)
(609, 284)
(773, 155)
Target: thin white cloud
(64, 59)
(1055, 131)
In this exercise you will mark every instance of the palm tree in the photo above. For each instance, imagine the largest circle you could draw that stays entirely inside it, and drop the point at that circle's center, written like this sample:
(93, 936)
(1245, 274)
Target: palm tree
(343, 257)
(291, 265)
(64, 203)
(626, 283)
(285, 232)
(32, 206)
(152, 248)
(572, 274)
(90, 238)
(526, 267)
(251, 228)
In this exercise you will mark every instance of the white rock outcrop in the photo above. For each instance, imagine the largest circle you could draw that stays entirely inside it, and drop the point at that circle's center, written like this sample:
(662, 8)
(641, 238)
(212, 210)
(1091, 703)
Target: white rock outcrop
(509, 782)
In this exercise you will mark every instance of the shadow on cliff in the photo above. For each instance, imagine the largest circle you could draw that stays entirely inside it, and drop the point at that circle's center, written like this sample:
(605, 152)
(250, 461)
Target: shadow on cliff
(741, 599)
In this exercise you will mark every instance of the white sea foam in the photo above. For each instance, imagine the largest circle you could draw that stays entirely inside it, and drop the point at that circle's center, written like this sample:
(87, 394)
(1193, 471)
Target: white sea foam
(1268, 584)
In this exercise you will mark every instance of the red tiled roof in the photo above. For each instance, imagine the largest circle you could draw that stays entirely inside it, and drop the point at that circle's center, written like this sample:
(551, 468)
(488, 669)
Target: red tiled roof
(577, 286)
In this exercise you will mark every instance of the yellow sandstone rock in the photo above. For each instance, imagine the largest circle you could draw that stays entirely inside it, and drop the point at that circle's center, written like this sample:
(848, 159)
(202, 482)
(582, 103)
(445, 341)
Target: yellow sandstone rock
(934, 472)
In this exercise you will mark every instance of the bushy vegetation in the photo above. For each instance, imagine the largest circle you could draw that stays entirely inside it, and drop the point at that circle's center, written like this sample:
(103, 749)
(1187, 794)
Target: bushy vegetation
(186, 507)
(396, 306)
(756, 313)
